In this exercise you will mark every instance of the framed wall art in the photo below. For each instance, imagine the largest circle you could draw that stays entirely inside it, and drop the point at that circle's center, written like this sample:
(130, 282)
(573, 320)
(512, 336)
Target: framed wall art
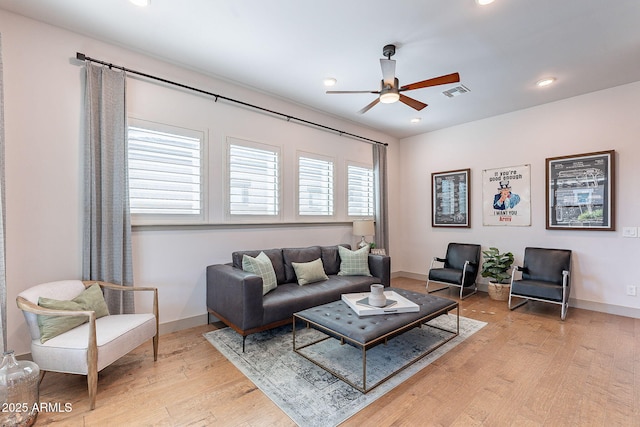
(450, 198)
(506, 196)
(580, 192)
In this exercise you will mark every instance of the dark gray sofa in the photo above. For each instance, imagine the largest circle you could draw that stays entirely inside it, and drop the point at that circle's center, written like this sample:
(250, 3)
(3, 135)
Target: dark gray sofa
(235, 296)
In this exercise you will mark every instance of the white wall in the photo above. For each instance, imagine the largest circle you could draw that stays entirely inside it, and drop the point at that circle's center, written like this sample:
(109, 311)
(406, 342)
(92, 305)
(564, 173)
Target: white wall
(603, 262)
(43, 121)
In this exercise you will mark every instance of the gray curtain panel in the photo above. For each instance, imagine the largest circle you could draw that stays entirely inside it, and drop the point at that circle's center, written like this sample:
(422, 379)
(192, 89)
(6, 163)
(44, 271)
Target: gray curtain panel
(3, 276)
(380, 195)
(107, 224)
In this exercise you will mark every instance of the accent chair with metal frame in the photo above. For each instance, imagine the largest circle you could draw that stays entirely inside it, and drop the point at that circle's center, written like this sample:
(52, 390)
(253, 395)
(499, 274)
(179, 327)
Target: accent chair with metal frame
(460, 268)
(93, 345)
(546, 277)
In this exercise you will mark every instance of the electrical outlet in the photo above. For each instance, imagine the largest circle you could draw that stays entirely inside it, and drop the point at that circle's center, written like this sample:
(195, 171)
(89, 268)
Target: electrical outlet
(631, 290)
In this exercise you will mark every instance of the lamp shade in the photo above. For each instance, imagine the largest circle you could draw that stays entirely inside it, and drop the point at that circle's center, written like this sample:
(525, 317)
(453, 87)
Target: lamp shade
(363, 227)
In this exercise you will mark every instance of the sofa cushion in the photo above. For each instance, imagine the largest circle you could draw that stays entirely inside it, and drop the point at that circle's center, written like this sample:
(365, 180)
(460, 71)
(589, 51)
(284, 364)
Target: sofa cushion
(261, 266)
(275, 255)
(289, 298)
(309, 272)
(354, 263)
(290, 255)
(331, 258)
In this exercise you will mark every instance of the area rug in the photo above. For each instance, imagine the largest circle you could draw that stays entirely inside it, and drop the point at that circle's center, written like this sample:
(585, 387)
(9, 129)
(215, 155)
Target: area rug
(312, 397)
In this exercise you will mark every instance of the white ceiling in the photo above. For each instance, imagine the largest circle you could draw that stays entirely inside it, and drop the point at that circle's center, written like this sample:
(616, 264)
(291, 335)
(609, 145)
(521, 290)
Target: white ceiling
(287, 47)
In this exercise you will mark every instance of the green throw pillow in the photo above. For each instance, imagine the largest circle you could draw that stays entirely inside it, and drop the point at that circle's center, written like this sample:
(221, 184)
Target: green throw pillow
(309, 272)
(261, 266)
(91, 299)
(354, 263)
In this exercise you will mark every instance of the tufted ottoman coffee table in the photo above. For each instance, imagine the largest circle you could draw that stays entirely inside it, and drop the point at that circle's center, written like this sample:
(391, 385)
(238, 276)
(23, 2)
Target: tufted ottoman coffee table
(336, 320)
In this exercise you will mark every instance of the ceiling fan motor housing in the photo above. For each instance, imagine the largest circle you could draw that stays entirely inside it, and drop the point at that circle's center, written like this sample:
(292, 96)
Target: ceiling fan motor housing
(389, 94)
(389, 50)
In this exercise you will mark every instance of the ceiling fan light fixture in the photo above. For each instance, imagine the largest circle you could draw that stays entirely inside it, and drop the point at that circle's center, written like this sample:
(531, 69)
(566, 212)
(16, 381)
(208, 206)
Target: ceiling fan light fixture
(484, 2)
(389, 97)
(416, 120)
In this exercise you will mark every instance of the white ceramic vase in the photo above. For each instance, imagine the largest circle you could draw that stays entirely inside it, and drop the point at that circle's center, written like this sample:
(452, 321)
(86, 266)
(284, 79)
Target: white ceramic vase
(377, 298)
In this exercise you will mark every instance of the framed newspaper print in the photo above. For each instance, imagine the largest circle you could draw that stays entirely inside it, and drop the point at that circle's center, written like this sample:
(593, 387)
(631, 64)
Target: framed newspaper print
(580, 192)
(450, 198)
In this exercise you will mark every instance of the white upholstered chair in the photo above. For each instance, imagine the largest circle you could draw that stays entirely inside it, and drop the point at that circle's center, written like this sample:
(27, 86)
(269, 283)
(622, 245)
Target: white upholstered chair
(93, 345)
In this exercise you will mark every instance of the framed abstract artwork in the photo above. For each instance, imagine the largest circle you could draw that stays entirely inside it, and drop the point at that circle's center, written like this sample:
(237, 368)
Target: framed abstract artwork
(580, 192)
(450, 198)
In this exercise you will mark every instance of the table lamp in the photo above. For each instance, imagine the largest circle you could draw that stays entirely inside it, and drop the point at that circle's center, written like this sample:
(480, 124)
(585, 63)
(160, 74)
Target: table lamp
(363, 228)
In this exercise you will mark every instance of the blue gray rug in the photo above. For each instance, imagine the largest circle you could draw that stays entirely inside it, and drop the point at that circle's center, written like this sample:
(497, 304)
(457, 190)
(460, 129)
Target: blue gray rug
(311, 396)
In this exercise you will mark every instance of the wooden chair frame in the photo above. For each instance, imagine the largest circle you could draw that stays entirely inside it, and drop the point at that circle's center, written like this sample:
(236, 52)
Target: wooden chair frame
(92, 347)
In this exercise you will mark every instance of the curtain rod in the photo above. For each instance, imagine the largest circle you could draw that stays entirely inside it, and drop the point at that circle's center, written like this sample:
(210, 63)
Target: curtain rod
(83, 57)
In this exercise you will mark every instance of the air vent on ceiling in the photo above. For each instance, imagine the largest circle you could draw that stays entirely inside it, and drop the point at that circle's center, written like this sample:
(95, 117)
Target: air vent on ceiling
(458, 90)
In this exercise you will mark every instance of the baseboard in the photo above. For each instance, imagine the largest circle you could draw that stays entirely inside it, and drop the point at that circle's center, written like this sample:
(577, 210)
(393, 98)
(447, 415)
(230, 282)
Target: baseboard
(180, 324)
(618, 310)
(576, 303)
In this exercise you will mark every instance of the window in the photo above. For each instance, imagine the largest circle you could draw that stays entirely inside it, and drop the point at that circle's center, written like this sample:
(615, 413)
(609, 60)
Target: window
(254, 179)
(165, 172)
(360, 191)
(315, 186)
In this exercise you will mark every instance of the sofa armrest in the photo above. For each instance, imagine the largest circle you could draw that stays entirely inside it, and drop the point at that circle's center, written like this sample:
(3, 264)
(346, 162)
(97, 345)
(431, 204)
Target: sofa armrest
(235, 295)
(380, 267)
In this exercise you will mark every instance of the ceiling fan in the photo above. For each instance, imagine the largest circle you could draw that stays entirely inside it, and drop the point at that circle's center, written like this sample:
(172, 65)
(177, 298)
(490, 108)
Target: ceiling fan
(390, 88)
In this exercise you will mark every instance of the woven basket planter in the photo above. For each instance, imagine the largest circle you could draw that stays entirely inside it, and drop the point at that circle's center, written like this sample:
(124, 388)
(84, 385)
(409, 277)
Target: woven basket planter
(499, 291)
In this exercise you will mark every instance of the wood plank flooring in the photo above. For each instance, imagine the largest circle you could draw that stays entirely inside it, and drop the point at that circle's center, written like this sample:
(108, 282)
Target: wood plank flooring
(525, 368)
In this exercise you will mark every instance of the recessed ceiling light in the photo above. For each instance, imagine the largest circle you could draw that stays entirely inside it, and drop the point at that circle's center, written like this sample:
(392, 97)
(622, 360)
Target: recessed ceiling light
(141, 3)
(545, 82)
(416, 120)
(329, 81)
(484, 2)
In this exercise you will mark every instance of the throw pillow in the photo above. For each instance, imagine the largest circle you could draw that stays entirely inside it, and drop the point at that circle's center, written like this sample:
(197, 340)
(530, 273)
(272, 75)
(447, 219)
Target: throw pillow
(91, 299)
(354, 263)
(309, 272)
(261, 266)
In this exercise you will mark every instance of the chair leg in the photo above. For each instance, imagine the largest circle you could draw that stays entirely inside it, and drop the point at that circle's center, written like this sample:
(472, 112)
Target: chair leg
(435, 290)
(563, 312)
(523, 302)
(475, 289)
(156, 338)
(92, 383)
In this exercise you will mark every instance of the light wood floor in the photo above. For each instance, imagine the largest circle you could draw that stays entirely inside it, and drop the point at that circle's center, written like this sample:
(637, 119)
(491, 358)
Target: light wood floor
(525, 368)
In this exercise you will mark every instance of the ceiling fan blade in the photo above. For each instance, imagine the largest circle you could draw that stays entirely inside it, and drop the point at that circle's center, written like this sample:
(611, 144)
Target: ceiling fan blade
(388, 71)
(370, 106)
(442, 80)
(352, 91)
(413, 103)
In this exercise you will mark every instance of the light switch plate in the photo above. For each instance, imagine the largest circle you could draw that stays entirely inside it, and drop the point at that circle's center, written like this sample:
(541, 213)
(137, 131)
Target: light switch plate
(629, 231)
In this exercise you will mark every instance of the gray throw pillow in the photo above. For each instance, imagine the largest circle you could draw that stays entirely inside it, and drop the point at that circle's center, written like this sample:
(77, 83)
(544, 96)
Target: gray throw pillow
(354, 263)
(309, 272)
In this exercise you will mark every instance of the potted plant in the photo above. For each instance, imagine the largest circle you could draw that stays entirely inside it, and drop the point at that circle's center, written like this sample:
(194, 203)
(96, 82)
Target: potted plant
(496, 267)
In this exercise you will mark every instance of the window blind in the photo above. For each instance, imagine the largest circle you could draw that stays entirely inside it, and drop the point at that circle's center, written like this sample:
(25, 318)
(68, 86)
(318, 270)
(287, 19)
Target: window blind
(165, 173)
(253, 181)
(360, 191)
(315, 186)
